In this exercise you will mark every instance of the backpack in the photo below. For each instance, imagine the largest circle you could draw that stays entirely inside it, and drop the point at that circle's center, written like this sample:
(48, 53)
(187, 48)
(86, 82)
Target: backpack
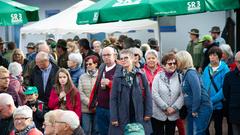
(134, 129)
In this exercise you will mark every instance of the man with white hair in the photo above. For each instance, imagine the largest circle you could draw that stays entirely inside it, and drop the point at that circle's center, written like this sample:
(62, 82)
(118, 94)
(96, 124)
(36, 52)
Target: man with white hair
(100, 95)
(67, 123)
(6, 88)
(43, 76)
(7, 108)
(23, 123)
(41, 47)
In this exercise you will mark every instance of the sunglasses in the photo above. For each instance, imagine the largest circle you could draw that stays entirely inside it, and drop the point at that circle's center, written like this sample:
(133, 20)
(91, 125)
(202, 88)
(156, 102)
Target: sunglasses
(171, 63)
(124, 58)
(89, 64)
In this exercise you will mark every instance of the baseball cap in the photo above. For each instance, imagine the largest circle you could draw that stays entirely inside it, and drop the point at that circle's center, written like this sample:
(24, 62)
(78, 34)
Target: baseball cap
(206, 38)
(31, 90)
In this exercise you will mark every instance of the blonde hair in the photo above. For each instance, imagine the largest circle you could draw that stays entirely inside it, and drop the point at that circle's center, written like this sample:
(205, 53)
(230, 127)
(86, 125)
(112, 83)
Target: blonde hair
(184, 59)
(3, 70)
(22, 56)
(74, 45)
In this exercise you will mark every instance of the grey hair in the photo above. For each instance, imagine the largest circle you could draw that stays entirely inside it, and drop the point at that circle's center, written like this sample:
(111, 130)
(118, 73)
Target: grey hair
(227, 50)
(138, 51)
(24, 111)
(15, 69)
(76, 57)
(70, 118)
(154, 52)
(6, 99)
(97, 42)
(42, 55)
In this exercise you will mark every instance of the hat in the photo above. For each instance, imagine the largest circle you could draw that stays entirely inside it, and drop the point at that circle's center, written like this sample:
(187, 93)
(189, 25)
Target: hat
(62, 43)
(31, 90)
(30, 45)
(152, 42)
(1, 41)
(194, 31)
(215, 29)
(206, 38)
(25, 111)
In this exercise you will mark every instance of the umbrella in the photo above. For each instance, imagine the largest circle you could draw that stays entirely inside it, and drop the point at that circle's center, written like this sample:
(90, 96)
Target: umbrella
(15, 13)
(115, 10)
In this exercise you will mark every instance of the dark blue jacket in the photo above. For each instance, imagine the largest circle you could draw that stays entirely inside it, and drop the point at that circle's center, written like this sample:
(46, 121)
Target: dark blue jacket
(75, 74)
(231, 91)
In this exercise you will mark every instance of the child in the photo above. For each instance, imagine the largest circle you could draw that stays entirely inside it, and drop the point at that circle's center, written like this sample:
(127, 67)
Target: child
(31, 94)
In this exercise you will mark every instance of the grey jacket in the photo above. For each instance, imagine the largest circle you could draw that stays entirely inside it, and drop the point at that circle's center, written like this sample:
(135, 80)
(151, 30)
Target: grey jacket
(166, 93)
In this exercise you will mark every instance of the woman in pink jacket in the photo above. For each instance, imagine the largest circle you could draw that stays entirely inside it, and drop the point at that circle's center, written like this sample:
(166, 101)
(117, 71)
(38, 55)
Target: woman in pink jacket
(64, 95)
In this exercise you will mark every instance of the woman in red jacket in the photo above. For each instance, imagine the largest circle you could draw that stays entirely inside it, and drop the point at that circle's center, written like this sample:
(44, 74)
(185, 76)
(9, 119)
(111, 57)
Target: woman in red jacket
(64, 95)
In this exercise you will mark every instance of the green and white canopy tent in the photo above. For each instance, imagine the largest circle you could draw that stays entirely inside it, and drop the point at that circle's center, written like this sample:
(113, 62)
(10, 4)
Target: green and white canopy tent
(15, 13)
(114, 10)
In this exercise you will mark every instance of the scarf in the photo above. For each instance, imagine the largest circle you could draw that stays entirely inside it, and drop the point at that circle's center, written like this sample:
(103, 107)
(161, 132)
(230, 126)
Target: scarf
(26, 130)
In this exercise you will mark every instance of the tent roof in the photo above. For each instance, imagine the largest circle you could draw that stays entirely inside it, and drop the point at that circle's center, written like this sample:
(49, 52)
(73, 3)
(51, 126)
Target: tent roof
(65, 22)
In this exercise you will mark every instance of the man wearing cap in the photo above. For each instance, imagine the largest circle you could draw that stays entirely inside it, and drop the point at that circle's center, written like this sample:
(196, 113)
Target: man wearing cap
(7, 108)
(37, 106)
(22, 117)
(215, 33)
(195, 48)
(30, 49)
(62, 53)
(208, 43)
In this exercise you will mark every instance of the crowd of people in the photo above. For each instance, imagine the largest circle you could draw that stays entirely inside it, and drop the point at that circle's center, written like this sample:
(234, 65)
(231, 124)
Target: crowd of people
(119, 86)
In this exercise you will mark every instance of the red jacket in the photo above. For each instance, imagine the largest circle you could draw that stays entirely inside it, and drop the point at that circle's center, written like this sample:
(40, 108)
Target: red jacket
(33, 131)
(54, 101)
(149, 74)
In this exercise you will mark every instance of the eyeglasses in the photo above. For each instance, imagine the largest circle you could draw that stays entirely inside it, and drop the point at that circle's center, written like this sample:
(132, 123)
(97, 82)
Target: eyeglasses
(45, 125)
(60, 122)
(108, 55)
(4, 78)
(124, 58)
(171, 63)
(136, 55)
(20, 119)
(89, 64)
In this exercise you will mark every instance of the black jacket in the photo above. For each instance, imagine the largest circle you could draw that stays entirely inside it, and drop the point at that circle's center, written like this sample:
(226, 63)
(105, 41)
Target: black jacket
(231, 92)
(36, 80)
(6, 126)
(3, 62)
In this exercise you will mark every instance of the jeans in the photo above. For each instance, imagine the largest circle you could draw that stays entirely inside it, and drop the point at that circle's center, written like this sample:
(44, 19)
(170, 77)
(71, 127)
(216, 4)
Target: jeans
(89, 123)
(102, 120)
(198, 125)
(217, 117)
(163, 127)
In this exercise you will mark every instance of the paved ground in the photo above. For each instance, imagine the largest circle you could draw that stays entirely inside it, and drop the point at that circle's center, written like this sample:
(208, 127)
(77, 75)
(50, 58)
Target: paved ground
(212, 132)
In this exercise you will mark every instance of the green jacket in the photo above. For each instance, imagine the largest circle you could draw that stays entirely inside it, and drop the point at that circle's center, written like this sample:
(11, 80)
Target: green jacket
(196, 50)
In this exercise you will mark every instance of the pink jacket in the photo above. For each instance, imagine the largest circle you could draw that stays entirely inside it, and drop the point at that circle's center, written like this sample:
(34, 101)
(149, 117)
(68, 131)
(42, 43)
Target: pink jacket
(150, 75)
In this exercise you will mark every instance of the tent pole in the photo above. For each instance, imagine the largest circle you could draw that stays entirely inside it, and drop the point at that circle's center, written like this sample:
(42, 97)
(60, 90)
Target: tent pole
(159, 36)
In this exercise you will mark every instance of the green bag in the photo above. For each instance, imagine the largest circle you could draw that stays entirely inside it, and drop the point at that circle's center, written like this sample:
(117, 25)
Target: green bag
(134, 129)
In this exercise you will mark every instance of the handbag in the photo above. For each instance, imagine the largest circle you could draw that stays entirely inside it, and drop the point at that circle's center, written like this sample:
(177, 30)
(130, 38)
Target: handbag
(134, 129)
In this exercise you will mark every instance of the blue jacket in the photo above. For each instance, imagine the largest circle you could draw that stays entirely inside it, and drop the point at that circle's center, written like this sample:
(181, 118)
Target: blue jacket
(75, 74)
(218, 78)
(120, 102)
(194, 94)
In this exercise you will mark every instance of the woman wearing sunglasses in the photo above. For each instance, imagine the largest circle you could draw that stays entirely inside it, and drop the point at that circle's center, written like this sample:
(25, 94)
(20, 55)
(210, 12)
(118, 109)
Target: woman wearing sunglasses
(167, 97)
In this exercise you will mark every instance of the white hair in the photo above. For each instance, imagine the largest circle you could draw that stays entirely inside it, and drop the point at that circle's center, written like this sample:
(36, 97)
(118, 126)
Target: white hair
(42, 56)
(227, 50)
(136, 50)
(154, 52)
(97, 42)
(6, 99)
(76, 57)
(15, 69)
(70, 118)
(24, 110)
